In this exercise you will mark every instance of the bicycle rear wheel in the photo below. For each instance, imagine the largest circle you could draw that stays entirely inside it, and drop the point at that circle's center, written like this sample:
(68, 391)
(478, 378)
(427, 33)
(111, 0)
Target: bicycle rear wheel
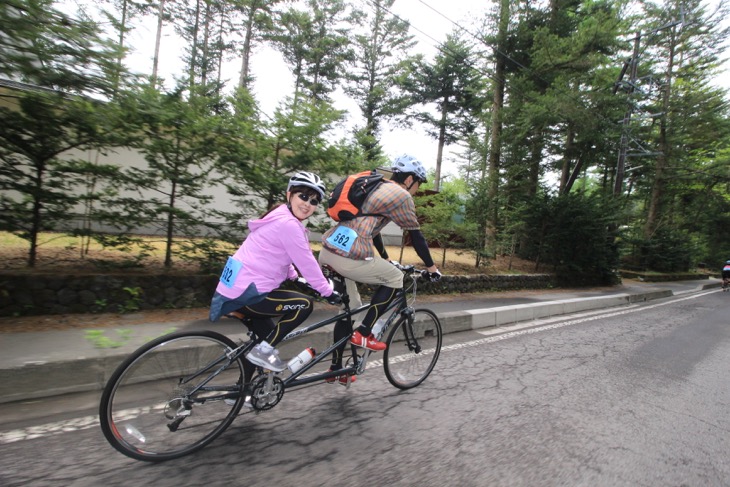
(163, 402)
(413, 349)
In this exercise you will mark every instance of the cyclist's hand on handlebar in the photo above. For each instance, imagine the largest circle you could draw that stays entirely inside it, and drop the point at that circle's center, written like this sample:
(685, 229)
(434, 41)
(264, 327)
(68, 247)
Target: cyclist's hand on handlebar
(334, 298)
(303, 284)
(431, 276)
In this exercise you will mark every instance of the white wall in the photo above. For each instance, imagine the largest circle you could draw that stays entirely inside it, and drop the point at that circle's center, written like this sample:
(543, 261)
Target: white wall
(127, 158)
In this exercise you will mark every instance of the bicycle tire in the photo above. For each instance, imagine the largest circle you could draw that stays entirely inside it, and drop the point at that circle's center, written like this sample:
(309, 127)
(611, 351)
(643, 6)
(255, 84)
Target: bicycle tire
(143, 398)
(413, 349)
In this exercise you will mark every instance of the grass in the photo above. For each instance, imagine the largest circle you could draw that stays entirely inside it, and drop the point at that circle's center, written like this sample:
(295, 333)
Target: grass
(60, 250)
(54, 242)
(63, 252)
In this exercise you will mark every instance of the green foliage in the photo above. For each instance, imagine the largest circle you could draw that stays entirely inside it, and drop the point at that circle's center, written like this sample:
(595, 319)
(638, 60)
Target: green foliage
(316, 45)
(100, 305)
(64, 59)
(178, 138)
(40, 189)
(559, 117)
(99, 339)
(667, 250)
(572, 235)
(133, 301)
(375, 75)
(443, 222)
(43, 47)
(452, 84)
(476, 208)
(256, 156)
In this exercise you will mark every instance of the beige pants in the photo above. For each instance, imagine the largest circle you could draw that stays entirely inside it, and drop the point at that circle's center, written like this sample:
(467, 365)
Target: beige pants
(376, 271)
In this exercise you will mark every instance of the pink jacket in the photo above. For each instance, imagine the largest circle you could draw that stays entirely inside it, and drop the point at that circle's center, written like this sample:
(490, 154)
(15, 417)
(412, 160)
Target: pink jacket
(274, 243)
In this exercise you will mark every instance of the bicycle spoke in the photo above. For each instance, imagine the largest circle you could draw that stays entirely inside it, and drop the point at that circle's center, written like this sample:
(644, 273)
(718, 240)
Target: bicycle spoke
(151, 410)
(413, 349)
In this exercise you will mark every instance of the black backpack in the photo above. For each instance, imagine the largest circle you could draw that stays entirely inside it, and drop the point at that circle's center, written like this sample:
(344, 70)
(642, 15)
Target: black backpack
(346, 200)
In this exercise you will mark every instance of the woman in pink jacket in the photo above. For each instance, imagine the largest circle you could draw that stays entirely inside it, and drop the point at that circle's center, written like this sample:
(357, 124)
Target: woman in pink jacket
(250, 281)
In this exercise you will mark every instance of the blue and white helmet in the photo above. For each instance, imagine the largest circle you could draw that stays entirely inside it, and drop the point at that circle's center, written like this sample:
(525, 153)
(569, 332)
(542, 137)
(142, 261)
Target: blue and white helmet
(308, 179)
(409, 164)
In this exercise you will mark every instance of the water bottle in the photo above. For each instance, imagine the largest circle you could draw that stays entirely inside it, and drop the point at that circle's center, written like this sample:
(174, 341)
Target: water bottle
(304, 357)
(379, 326)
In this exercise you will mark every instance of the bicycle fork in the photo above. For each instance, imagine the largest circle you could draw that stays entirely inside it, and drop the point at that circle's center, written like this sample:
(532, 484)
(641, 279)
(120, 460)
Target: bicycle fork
(408, 331)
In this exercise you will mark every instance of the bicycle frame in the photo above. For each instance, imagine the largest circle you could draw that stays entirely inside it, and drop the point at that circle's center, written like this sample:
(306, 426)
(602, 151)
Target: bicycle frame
(399, 304)
(159, 386)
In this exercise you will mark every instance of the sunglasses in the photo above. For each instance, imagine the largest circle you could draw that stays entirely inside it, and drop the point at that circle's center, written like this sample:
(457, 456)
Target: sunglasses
(306, 198)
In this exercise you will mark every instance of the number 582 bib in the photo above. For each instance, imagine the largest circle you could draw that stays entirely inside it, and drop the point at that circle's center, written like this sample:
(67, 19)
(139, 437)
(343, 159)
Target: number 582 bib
(342, 238)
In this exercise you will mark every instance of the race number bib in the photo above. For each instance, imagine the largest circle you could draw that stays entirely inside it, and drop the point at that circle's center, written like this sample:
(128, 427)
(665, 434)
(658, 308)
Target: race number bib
(343, 238)
(230, 271)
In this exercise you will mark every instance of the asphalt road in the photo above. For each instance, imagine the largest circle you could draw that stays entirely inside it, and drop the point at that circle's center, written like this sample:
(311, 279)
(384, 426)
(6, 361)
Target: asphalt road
(635, 396)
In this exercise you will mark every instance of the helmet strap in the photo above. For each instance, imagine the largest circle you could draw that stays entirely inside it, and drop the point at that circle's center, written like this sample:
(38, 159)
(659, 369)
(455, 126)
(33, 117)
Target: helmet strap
(414, 180)
(288, 205)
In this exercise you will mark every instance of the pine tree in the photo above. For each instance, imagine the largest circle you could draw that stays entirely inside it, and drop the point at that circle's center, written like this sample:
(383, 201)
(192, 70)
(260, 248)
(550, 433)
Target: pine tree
(380, 59)
(453, 85)
(58, 64)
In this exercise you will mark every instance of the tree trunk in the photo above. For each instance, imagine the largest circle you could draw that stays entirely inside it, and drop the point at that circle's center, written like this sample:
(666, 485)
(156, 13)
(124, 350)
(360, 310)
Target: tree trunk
(657, 191)
(219, 74)
(246, 50)
(618, 184)
(158, 37)
(170, 226)
(194, 47)
(35, 227)
(496, 129)
(205, 61)
(567, 156)
(534, 163)
(440, 151)
(122, 29)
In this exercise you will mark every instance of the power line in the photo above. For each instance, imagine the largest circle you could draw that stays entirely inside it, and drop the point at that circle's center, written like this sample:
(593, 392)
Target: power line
(444, 49)
(438, 45)
(515, 91)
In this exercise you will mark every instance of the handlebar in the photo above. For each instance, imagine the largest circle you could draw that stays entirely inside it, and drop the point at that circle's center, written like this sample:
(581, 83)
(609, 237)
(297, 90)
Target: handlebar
(409, 270)
(406, 269)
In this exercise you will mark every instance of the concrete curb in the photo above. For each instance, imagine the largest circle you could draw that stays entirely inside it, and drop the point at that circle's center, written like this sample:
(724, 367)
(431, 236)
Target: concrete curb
(84, 374)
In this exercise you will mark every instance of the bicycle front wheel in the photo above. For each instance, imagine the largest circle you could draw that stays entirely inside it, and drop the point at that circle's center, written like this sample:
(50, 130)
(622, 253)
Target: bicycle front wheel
(413, 349)
(167, 399)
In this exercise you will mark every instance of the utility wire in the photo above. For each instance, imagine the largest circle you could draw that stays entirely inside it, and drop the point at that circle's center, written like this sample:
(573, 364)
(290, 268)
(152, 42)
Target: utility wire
(480, 40)
(444, 49)
(438, 45)
(529, 97)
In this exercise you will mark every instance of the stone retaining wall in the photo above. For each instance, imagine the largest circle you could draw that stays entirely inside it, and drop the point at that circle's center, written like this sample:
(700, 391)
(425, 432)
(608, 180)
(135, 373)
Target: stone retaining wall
(22, 295)
(679, 276)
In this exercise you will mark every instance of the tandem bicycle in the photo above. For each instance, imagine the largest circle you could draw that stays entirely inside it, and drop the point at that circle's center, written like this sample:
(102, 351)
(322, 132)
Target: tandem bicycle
(177, 393)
